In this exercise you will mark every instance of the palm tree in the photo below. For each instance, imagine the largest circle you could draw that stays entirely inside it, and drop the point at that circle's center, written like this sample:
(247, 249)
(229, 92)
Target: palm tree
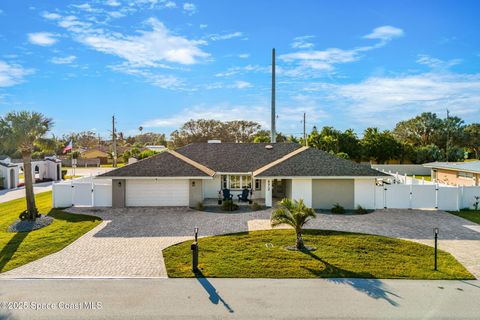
(294, 213)
(23, 131)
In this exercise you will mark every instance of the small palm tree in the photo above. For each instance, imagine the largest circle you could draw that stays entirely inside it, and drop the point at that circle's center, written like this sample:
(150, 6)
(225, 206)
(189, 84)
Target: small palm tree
(294, 213)
(23, 131)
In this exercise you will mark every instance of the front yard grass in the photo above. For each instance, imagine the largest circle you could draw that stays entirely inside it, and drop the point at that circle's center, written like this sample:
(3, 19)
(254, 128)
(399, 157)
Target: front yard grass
(471, 215)
(338, 255)
(20, 248)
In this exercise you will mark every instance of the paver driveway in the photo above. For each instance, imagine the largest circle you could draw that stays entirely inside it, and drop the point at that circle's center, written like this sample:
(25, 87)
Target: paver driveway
(129, 242)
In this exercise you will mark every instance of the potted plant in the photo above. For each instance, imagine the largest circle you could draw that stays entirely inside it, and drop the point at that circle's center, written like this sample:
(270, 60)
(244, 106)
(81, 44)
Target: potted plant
(219, 197)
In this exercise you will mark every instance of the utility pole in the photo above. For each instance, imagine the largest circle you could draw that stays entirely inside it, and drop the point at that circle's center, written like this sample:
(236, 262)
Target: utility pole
(273, 137)
(448, 134)
(304, 129)
(114, 143)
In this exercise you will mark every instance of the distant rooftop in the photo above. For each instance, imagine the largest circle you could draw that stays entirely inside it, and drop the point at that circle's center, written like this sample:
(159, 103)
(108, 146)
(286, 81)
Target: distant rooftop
(471, 166)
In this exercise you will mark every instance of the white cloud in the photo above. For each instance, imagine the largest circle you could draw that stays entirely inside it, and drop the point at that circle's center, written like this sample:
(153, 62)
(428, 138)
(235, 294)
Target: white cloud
(217, 37)
(435, 63)
(116, 14)
(63, 60)
(311, 63)
(170, 4)
(203, 26)
(383, 101)
(244, 55)
(113, 3)
(189, 7)
(163, 81)
(149, 48)
(242, 84)
(242, 70)
(302, 43)
(12, 74)
(221, 111)
(51, 15)
(385, 33)
(42, 38)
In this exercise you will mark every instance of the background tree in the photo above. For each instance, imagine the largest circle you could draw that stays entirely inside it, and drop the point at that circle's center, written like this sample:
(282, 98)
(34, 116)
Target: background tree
(380, 146)
(472, 138)
(24, 130)
(264, 136)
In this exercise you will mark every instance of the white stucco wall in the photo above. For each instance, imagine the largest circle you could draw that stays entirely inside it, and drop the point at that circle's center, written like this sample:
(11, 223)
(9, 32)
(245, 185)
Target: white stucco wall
(211, 187)
(302, 189)
(364, 193)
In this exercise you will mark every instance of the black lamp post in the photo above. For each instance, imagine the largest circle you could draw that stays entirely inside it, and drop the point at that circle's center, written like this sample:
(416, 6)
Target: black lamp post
(435, 233)
(194, 248)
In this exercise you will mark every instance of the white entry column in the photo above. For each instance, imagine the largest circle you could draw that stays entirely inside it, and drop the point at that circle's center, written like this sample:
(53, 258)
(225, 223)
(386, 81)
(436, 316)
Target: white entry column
(268, 192)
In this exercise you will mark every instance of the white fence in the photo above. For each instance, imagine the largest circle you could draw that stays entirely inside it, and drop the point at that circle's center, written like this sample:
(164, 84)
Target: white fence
(82, 192)
(427, 196)
(409, 169)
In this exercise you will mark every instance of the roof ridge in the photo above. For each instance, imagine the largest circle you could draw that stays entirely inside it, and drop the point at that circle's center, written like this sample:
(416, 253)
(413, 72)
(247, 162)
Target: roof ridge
(278, 161)
(193, 163)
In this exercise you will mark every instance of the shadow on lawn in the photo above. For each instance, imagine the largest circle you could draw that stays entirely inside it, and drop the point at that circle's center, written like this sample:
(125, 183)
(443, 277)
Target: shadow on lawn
(11, 247)
(374, 288)
(213, 295)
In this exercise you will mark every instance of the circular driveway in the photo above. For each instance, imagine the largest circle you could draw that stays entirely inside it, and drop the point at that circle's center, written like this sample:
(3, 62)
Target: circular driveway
(129, 242)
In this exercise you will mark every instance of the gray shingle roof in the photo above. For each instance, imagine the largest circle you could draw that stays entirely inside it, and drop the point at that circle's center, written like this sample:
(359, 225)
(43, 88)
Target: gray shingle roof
(161, 165)
(471, 166)
(318, 163)
(236, 157)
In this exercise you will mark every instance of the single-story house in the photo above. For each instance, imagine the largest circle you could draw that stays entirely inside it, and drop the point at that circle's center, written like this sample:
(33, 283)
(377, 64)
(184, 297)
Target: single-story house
(100, 153)
(455, 173)
(274, 171)
(8, 173)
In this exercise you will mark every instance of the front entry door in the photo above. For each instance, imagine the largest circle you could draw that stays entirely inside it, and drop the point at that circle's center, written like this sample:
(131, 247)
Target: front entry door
(278, 189)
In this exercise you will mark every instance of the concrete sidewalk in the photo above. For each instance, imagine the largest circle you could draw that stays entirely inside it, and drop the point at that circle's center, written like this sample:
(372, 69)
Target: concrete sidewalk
(240, 299)
(17, 193)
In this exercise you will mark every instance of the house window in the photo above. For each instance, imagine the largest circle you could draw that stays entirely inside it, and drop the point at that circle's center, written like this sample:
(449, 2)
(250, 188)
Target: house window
(235, 182)
(465, 175)
(247, 182)
(258, 184)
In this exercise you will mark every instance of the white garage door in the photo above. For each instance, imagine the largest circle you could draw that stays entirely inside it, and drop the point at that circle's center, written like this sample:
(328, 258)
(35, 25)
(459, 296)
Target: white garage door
(151, 193)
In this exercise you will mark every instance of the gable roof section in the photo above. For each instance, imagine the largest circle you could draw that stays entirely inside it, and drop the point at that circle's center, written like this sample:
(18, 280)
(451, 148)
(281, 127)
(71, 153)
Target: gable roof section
(274, 163)
(317, 163)
(472, 166)
(236, 157)
(163, 164)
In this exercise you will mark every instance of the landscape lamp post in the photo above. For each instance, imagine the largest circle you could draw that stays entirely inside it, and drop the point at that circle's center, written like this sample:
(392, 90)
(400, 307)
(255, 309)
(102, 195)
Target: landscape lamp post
(435, 232)
(194, 248)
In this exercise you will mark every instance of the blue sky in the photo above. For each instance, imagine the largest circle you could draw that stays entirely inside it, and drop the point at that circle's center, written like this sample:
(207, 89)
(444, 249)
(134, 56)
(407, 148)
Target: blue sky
(347, 64)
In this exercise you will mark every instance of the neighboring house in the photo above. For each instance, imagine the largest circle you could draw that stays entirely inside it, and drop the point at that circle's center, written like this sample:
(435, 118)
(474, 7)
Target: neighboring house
(455, 173)
(8, 173)
(272, 171)
(96, 153)
(49, 169)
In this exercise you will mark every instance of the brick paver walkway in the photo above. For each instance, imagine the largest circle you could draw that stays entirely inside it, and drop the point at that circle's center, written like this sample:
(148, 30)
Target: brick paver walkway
(129, 242)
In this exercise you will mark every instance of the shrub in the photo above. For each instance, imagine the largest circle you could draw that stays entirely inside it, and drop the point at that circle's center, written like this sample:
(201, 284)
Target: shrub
(360, 210)
(64, 173)
(228, 205)
(465, 209)
(199, 206)
(337, 208)
(255, 206)
(477, 202)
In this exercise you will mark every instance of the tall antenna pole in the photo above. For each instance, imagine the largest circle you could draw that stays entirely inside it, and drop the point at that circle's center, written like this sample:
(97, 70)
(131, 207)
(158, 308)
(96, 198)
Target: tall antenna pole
(114, 141)
(304, 128)
(448, 134)
(273, 138)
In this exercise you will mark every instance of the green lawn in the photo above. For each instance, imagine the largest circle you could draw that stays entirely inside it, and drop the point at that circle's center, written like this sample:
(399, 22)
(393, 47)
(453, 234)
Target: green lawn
(17, 249)
(471, 215)
(109, 165)
(338, 254)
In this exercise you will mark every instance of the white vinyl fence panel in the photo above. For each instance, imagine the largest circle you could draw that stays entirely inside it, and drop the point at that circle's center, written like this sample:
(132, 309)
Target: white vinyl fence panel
(82, 192)
(401, 196)
(423, 196)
